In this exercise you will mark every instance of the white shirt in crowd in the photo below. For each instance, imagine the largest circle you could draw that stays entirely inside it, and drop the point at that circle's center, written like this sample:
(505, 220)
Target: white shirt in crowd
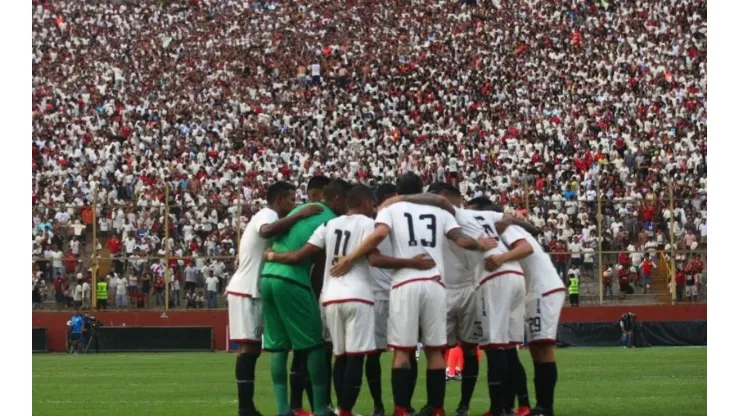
(212, 283)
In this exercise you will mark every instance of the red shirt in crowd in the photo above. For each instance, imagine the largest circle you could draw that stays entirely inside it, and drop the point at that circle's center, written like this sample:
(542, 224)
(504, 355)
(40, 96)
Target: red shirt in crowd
(647, 268)
(114, 245)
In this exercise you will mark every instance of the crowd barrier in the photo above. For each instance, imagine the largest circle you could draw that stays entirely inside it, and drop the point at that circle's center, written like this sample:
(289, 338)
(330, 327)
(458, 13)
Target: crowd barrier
(154, 339)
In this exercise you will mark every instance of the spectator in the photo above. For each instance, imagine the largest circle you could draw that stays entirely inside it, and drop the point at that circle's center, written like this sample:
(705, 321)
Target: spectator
(680, 284)
(648, 267)
(86, 294)
(174, 291)
(60, 285)
(146, 286)
(199, 300)
(190, 299)
(159, 287)
(191, 278)
(132, 287)
(212, 290)
(624, 282)
(57, 262)
(607, 281)
(37, 301)
(120, 284)
(78, 292)
(588, 261)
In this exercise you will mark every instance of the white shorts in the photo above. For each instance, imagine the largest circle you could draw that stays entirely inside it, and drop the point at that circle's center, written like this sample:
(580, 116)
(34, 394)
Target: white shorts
(381, 324)
(245, 319)
(501, 303)
(463, 321)
(692, 291)
(416, 315)
(543, 315)
(324, 326)
(351, 325)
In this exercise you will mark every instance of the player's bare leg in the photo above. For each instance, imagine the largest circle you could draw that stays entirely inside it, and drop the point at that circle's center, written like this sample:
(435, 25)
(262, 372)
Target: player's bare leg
(545, 377)
(246, 362)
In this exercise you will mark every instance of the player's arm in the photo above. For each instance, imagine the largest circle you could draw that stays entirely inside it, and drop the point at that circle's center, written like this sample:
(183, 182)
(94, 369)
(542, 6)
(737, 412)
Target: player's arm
(469, 243)
(317, 274)
(520, 248)
(419, 262)
(369, 244)
(508, 220)
(291, 257)
(284, 225)
(422, 199)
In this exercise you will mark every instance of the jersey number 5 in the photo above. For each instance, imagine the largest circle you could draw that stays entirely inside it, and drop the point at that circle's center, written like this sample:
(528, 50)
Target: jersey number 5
(338, 245)
(431, 221)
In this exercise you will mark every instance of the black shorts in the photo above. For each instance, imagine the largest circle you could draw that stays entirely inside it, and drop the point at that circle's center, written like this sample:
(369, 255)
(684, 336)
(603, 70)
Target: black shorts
(74, 337)
(576, 262)
(588, 266)
(59, 297)
(146, 288)
(624, 287)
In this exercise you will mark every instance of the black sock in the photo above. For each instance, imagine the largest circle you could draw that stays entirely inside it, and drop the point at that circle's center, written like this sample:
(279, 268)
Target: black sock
(340, 365)
(520, 378)
(400, 381)
(512, 356)
(328, 373)
(352, 382)
(298, 381)
(469, 378)
(373, 375)
(245, 365)
(436, 382)
(545, 378)
(309, 389)
(497, 376)
(413, 375)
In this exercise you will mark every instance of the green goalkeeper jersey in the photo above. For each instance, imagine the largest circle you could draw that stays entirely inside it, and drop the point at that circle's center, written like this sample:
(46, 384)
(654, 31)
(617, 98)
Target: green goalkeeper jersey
(294, 239)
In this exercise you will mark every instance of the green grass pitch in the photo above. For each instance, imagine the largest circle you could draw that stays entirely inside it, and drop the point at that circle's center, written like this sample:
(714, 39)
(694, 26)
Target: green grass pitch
(604, 381)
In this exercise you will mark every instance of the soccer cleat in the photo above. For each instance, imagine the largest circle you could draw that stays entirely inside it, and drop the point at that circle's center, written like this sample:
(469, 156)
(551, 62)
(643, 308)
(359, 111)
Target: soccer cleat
(400, 411)
(430, 411)
(378, 411)
(523, 411)
(538, 411)
(301, 412)
(462, 411)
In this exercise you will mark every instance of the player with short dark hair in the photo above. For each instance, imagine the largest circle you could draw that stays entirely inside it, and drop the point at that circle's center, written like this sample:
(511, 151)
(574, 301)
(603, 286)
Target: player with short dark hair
(315, 188)
(245, 305)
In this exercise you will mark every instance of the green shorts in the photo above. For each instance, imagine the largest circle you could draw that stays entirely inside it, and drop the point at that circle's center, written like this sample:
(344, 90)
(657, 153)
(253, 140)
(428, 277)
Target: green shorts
(291, 316)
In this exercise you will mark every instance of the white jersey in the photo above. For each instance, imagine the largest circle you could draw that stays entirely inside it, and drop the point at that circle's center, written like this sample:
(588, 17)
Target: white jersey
(486, 222)
(417, 229)
(381, 278)
(460, 267)
(539, 273)
(339, 237)
(245, 281)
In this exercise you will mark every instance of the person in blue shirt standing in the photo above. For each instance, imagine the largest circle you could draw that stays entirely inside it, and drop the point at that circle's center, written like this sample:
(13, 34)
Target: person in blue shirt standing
(74, 329)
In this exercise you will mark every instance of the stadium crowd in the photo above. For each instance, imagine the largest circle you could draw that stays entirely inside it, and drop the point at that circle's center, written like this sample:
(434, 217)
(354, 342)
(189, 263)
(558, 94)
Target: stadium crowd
(543, 105)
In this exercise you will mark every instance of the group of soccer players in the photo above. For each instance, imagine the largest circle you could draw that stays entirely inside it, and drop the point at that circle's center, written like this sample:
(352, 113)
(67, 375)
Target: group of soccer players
(392, 268)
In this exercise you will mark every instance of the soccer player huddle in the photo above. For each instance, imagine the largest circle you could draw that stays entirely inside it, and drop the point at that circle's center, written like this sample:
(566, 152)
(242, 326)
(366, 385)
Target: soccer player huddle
(357, 271)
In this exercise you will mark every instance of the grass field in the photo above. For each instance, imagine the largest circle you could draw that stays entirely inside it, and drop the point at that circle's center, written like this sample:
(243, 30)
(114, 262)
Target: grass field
(605, 381)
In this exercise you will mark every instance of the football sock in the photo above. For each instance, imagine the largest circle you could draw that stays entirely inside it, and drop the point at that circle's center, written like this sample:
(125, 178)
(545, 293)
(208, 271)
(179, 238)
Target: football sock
(545, 378)
(352, 382)
(299, 381)
(497, 376)
(469, 378)
(436, 383)
(413, 375)
(279, 371)
(245, 364)
(317, 371)
(510, 384)
(520, 378)
(340, 365)
(373, 374)
(328, 356)
(400, 381)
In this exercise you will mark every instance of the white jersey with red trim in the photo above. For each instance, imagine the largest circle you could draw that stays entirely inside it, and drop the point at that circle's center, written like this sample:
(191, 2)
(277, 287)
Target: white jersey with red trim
(339, 237)
(417, 229)
(477, 224)
(539, 272)
(246, 278)
(381, 278)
